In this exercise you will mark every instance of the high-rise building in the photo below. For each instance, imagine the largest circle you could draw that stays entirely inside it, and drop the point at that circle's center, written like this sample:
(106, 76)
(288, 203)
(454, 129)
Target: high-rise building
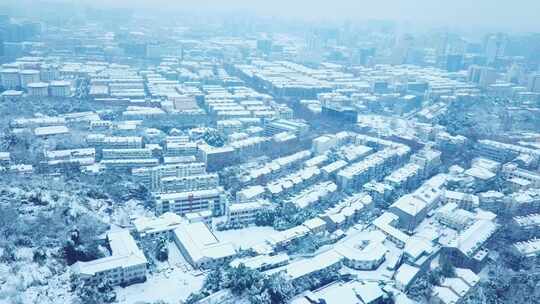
(454, 62)
(515, 74)
(28, 77)
(495, 46)
(10, 78)
(482, 75)
(365, 55)
(441, 45)
(534, 83)
(402, 49)
(487, 76)
(264, 45)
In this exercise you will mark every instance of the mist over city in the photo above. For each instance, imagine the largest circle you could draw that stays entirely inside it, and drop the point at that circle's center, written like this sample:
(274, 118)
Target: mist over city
(269, 152)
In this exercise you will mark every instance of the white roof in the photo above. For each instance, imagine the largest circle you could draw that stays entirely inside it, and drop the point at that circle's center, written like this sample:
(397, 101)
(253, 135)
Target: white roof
(476, 235)
(255, 205)
(528, 220)
(332, 167)
(307, 266)
(166, 221)
(251, 192)
(353, 152)
(275, 188)
(5, 155)
(470, 240)
(313, 194)
(383, 223)
(461, 196)
(52, 130)
(201, 243)
(405, 274)
(468, 276)
(446, 295)
(38, 85)
(528, 248)
(457, 285)
(410, 204)
(416, 246)
(60, 83)
(314, 223)
(187, 194)
(374, 251)
(125, 253)
(261, 260)
(122, 243)
(289, 234)
(480, 173)
(369, 292)
(53, 154)
(347, 293)
(317, 160)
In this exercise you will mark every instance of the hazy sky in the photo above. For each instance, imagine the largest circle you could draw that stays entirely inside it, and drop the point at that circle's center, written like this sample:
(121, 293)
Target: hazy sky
(513, 14)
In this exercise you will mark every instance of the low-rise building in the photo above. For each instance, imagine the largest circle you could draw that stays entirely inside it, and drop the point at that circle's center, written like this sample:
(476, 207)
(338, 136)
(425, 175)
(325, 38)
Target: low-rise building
(406, 178)
(152, 177)
(386, 224)
(354, 292)
(101, 141)
(245, 213)
(125, 266)
(428, 159)
(527, 226)
(5, 159)
(133, 153)
(191, 201)
(152, 228)
(466, 249)
(200, 247)
(465, 201)
(513, 174)
(527, 249)
(315, 225)
(189, 183)
(283, 238)
(364, 252)
(200, 216)
(503, 152)
(313, 194)
(306, 267)
(405, 276)
(128, 164)
(455, 290)
(51, 131)
(263, 262)
(413, 208)
(250, 193)
(452, 216)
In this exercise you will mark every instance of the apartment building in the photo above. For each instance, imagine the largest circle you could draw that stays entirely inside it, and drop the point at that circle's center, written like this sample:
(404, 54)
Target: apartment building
(191, 201)
(151, 177)
(126, 264)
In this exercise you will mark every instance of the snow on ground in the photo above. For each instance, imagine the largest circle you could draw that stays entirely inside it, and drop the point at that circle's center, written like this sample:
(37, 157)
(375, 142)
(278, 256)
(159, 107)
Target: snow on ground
(246, 237)
(26, 282)
(176, 260)
(382, 273)
(170, 286)
(173, 281)
(55, 291)
(384, 124)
